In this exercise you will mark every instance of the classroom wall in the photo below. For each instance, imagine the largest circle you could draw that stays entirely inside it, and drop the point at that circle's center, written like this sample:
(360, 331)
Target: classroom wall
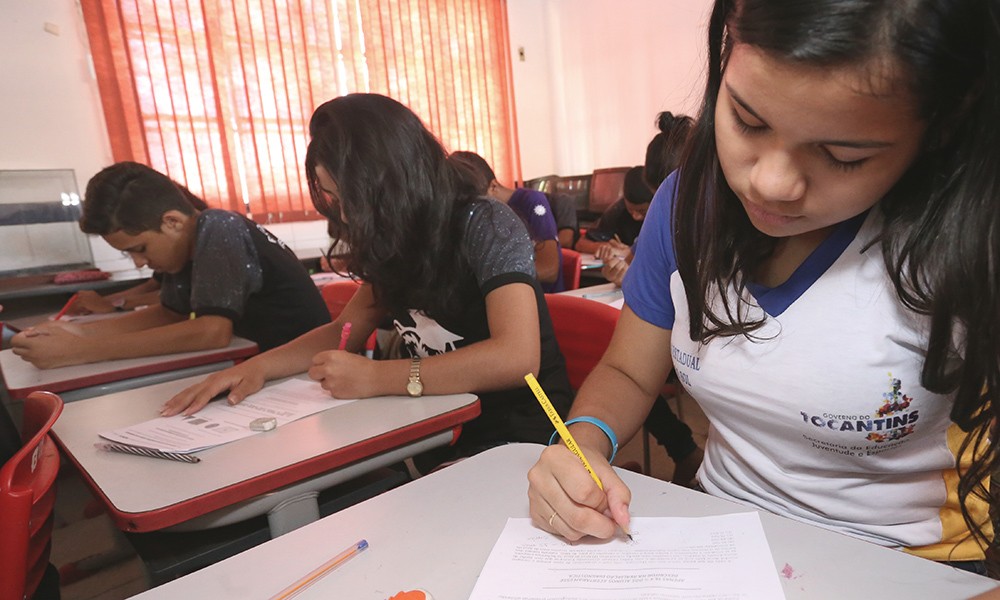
(595, 74)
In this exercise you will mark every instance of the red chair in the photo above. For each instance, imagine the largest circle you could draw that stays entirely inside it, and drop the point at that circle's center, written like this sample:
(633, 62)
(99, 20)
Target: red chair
(27, 497)
(583, 329)
(337, 294)
(572, 264)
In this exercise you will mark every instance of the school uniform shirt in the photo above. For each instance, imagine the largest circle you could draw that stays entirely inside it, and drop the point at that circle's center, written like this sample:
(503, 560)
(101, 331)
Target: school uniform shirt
(241, 271)
(617, 221)
(498, 253)
(534, 210)
(821, 417)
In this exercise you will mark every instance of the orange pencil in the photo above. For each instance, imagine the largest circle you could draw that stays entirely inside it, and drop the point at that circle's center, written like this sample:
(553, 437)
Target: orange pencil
(321, 570)
(69, 304)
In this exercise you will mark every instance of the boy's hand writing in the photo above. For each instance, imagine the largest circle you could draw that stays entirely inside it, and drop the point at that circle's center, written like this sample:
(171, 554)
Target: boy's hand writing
(564, 499)
(89, 301)
(51, 346)
(241, 381)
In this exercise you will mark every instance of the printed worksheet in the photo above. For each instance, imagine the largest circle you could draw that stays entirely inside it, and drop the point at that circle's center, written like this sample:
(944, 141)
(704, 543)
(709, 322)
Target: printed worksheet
(723, 557)
(219, 423)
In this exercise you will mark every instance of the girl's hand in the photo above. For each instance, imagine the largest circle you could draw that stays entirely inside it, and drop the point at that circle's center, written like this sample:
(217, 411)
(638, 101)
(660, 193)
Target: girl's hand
(345, 375)
(564, 498)
(614, 270)
(241, 381)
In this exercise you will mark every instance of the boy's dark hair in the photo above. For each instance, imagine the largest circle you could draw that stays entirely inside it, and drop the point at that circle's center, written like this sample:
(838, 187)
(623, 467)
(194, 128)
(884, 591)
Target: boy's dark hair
(663, 154)
(480, 171)
(637, 191)
(131, 197)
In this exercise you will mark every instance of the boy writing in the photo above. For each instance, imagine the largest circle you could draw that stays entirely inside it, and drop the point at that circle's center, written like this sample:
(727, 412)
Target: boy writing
(223, 275)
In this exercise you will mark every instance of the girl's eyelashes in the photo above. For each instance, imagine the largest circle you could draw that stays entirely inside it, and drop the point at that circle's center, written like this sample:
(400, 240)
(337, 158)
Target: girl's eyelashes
(843, 165)
(745, 127)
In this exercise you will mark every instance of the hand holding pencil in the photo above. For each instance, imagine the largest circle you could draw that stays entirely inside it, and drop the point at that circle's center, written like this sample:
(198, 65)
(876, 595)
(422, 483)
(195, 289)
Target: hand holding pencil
(561, 501)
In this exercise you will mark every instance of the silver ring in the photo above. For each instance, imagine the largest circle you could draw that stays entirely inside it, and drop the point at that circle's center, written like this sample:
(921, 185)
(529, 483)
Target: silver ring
(554, 515)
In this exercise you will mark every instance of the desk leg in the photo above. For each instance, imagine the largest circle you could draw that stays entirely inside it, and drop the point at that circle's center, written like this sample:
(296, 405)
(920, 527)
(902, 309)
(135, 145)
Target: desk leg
(293, 513)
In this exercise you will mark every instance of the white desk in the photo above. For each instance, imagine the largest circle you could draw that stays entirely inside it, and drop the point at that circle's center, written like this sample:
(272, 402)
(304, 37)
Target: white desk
(239, 480)
(86, 381)
(436, 533)
(605, 293)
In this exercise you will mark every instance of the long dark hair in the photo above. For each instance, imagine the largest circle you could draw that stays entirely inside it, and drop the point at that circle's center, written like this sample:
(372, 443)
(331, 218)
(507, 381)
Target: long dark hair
(941, 235)
(405, 202)
(664, 151)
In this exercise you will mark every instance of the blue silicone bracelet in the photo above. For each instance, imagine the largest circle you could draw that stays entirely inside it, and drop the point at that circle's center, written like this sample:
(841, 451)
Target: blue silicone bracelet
(600, 425)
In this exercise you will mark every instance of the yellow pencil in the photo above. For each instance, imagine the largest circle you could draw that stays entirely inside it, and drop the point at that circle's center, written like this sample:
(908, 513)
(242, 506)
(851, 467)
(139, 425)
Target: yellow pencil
(557, 421)
(564, 433)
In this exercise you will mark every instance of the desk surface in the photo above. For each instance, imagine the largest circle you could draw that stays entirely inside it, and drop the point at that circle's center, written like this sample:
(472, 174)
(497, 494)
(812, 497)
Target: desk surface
(144, 494)
(605, 293)
(22, 378)
(436, 533)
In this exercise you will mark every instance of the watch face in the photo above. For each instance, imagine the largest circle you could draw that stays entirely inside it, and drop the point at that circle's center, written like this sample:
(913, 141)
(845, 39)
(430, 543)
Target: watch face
(414, 388)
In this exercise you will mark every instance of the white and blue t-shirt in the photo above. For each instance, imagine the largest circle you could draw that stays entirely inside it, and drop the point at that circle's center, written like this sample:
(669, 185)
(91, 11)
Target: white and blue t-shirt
(821, 417)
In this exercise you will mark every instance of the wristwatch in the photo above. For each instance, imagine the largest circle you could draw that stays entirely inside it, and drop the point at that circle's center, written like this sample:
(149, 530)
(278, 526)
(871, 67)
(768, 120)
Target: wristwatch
(413, 387)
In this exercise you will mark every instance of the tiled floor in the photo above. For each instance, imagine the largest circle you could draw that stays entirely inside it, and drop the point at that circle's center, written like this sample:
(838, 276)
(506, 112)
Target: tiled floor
(96, 562)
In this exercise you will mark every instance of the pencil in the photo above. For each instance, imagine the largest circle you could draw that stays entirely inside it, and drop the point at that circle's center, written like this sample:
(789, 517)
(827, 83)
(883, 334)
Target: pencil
(345, 334)
(69, 304)
(352, 551)
(564, 433)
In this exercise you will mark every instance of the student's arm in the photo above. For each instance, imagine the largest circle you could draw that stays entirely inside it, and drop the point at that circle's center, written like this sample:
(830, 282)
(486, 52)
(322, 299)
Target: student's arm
(619, 391)
(547, 263)
(993, 594)
(588, 246)
(89, 301)
(567, 238)
(110, 340)
(500, 362)
(289, 359)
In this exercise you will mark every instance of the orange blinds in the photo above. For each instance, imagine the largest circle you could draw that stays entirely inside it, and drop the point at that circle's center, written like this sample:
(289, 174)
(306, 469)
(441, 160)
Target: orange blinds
(218, 93)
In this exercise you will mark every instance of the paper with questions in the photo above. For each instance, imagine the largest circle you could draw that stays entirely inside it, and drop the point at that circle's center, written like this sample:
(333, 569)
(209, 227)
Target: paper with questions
(219, 423)
(708, 558)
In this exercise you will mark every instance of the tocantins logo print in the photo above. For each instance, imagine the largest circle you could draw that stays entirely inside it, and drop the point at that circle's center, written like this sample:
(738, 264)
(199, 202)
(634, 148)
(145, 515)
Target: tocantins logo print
(894, 401)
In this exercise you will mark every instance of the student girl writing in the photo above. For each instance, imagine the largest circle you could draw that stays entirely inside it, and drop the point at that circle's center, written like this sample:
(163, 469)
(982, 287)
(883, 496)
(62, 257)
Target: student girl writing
(452, 270)
(821, 272)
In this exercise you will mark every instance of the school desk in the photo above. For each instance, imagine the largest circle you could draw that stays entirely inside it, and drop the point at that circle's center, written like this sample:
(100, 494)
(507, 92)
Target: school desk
(238, 480)
(86, 381)
(605, 293)
(435, 534)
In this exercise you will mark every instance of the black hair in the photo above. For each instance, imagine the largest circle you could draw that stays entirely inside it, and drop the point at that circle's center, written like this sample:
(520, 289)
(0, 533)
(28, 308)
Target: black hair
(132, 197)
(635, 189)
(479, 171)
(941, 235)
(407, 205)
(663, 154)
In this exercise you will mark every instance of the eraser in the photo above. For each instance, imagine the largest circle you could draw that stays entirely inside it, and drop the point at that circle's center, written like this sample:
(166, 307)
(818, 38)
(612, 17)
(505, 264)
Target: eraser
(263, 424)
(412, 595)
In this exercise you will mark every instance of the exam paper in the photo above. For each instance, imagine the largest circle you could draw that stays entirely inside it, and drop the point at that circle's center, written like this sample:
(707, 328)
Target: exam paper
(219, 423)
(723, 557)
